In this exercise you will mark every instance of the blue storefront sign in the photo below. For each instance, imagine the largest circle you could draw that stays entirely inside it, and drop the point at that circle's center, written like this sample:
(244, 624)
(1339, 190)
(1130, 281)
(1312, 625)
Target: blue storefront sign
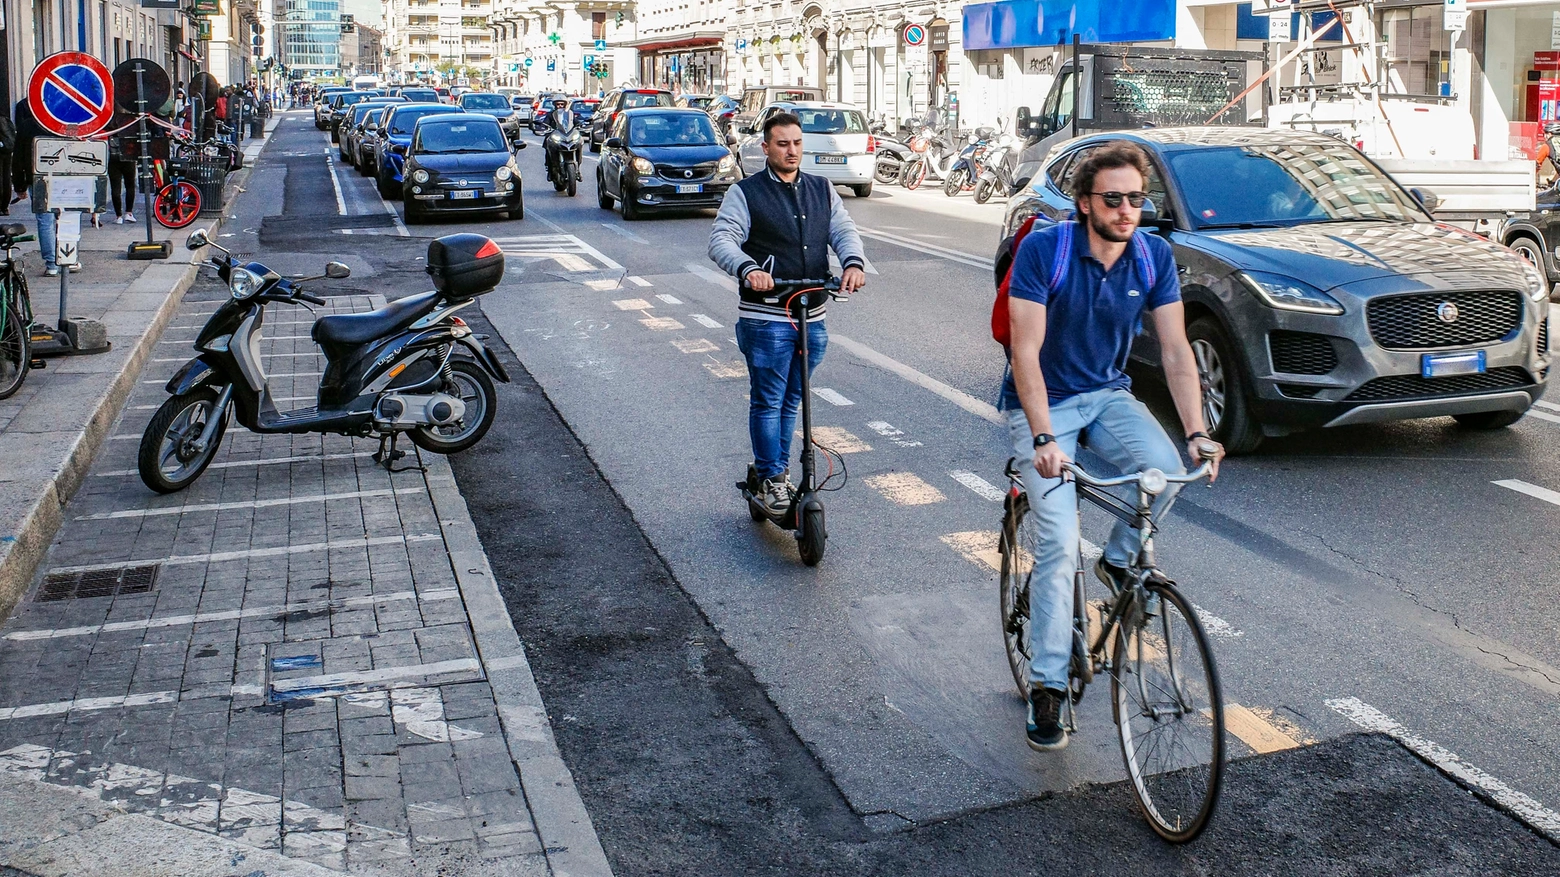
(1250, 26)
(1012, 24)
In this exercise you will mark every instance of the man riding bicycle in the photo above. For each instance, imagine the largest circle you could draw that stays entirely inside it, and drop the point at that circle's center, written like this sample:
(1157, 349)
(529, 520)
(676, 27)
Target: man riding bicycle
(780, 224)
(1077, 295)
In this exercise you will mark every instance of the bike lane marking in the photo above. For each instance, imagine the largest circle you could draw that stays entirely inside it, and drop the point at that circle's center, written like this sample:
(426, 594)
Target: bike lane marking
(1528, 810)
(832, 397)
(246, 504)
(1532, 490)
(981, 487)
(904, 488)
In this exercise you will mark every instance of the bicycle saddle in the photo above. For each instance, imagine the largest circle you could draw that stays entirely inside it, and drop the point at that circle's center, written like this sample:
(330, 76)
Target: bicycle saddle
(12, 230)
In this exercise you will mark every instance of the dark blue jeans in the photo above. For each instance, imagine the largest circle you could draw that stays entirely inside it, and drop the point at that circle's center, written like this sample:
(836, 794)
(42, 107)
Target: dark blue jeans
(775, 381)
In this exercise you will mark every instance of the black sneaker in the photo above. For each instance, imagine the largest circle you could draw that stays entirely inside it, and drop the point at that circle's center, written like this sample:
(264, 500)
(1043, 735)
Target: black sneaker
(1045, 732)
(1111, 575)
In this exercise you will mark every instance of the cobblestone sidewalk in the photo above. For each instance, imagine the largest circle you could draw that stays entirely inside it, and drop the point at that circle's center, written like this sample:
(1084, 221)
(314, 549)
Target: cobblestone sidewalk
(300, 653)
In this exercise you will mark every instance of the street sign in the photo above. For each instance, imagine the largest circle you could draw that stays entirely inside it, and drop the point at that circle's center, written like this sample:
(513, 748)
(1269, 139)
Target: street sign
(601, 45)
(1279, 27)
(589, 60)
(153, 78)
(1271, 7)
(938, 33)
(741, 45)
(67, 228)
(71, 94)
(528, 62)
(915, 35)
(551, 64)
(79, 157)
(1455, 15)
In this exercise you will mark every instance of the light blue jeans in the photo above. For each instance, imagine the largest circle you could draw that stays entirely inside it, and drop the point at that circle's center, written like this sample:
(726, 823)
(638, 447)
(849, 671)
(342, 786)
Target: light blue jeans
(47, 242)
(775, 386)
(1116, 426)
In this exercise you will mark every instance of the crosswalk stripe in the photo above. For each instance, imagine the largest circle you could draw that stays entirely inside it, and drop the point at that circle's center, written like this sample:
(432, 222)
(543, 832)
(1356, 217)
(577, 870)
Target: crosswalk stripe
(904, 488)
(1532, 490)
(1253, 731)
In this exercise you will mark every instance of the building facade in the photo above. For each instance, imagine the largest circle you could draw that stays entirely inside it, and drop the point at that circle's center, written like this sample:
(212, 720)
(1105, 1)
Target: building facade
(448, 42)
(309, 38)
(111, 30)
(584, 46)
(362, 51)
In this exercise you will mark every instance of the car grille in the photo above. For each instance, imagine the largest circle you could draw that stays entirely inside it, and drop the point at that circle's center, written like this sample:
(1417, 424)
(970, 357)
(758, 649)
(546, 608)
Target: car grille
(1416, 387)
(1412, 321)
(674, 172)
(1302, 353)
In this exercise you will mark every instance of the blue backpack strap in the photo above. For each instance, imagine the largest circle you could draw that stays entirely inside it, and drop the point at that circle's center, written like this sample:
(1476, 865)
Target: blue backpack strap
(1145, 260)
(1063, 257)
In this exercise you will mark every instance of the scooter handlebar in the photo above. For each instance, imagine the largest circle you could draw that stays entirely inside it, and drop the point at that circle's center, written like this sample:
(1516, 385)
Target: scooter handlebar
(311, 299)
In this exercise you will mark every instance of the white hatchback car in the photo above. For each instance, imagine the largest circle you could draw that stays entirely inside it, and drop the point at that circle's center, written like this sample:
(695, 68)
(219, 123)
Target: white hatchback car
(835, 143)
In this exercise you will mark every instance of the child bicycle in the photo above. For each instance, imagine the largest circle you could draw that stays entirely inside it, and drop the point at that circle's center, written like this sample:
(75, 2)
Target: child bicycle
(1165, 696)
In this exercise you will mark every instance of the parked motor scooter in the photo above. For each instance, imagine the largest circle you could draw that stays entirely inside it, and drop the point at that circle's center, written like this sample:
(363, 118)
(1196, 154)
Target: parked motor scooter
(389, 371)
(997, 173)
(934, 157)
(891, 154)
(966, 168)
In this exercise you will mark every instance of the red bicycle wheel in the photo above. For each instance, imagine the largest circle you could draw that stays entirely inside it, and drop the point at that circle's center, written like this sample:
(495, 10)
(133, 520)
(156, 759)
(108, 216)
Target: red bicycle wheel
(917, 175)
(177, 204)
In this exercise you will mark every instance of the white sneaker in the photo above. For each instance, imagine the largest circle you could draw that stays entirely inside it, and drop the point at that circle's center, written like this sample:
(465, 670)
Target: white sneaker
(130, 216)
(775, 495)
(120, 219)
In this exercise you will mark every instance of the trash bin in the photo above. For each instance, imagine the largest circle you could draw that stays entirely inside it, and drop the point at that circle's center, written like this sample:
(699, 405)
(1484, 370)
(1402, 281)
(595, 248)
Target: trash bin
(256, 126)
(209, 174)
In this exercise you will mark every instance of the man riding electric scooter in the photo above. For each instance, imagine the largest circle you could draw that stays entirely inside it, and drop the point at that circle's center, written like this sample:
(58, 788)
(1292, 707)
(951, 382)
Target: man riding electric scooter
(775, 227)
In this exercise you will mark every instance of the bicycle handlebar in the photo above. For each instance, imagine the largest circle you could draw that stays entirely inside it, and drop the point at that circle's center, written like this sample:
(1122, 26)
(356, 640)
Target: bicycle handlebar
(1083, 477)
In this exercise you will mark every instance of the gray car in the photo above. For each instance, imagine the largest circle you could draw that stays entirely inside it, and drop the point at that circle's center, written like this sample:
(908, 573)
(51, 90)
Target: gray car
(1318, 291)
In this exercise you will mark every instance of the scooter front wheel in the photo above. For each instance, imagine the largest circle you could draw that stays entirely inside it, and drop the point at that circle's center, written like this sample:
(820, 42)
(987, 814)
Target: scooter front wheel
(170, 457)
(983, 190)
(811, 539)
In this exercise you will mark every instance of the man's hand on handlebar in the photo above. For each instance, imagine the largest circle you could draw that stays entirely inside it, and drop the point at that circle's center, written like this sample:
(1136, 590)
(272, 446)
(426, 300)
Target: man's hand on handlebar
(1201, 449)
(1049, 459)
(759, 280)
(852, 280)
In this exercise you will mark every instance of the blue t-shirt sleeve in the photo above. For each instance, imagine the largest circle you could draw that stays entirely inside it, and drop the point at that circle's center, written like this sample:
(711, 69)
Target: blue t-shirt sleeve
(1167, 281)
(1032, 268)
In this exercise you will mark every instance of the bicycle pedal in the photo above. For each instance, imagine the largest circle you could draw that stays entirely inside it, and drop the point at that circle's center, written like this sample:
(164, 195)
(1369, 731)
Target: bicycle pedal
(38, 363)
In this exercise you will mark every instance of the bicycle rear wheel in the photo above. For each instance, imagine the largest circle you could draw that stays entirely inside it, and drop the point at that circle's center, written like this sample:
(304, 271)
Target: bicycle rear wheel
(1016, 545)
(15, 339)
(1170, 715)
(176, 204)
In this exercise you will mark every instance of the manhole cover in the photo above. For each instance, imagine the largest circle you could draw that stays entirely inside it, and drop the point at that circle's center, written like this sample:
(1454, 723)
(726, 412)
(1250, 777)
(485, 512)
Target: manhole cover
(98, 583)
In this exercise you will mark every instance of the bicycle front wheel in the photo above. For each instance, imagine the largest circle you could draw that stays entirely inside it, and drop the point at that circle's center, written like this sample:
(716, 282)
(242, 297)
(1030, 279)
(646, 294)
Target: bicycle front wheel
(1169, 714)
(177, 204)
(1017, 550)
(15, 341)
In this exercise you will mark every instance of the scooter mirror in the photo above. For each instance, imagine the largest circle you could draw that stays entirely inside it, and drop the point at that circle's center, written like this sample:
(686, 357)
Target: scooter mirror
(337, 271)
(197, 239)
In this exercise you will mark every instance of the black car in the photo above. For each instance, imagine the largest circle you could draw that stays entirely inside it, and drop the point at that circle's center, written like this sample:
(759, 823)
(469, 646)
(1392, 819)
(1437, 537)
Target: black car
(495, 105)
(664, 158)
(340, 105)
(461, 163)
(618, 100)
(1318, 291)
(722, 109)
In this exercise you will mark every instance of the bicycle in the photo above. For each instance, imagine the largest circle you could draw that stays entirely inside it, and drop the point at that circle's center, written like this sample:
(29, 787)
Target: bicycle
(1148, 637)
(16, 316)
(177, 202)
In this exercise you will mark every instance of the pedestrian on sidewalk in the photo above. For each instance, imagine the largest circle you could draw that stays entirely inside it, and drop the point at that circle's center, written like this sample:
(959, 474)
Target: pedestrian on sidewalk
(27, 131)
(123, 150)
(7, 150)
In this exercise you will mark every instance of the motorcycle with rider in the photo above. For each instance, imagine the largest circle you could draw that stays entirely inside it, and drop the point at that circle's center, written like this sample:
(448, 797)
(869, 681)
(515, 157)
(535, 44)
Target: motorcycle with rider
(563, 148)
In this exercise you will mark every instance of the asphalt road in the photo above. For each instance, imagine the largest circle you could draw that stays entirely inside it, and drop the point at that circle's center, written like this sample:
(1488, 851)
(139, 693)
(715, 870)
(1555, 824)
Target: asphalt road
(726, 709)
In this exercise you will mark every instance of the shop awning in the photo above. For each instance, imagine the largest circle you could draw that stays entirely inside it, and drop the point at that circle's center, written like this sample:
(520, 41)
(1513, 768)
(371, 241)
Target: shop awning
(697, 40)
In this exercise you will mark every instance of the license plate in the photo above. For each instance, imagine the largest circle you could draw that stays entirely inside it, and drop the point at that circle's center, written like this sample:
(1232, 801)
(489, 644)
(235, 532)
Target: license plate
(1440, 365)
(689, 188)
(831, 159)
(460, 194)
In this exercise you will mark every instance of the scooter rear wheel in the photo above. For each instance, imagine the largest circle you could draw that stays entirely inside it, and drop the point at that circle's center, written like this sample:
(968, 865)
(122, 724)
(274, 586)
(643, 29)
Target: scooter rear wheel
(166, 460)
(472, 385)
(811, 538)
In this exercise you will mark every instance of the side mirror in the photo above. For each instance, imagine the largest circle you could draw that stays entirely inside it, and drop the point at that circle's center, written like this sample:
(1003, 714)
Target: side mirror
(1152, 220)
(337, 270)
(197, 239)
(1426, 198)
(1022, 121)
(517, 143)
(398, 149)
(614, 143)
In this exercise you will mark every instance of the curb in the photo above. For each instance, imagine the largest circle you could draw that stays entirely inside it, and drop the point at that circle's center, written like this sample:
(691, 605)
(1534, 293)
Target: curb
(43, 519)
(568, 837)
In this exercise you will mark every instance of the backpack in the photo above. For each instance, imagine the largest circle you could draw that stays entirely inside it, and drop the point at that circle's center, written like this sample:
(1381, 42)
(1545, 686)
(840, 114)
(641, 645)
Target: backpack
(1001, 331)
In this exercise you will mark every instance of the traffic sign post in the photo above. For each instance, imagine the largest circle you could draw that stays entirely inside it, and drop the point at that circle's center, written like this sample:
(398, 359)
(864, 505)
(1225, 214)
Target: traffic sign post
(71, 94)
(151, 88)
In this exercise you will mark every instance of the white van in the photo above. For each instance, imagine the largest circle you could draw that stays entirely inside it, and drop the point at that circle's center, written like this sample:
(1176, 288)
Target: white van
(365, 83)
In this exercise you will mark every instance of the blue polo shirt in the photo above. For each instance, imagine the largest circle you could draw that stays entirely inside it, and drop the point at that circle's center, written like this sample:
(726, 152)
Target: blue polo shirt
(1092, 319)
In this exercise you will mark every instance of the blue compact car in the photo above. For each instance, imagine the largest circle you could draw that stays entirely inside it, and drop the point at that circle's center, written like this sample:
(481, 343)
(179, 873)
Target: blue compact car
(395, 140)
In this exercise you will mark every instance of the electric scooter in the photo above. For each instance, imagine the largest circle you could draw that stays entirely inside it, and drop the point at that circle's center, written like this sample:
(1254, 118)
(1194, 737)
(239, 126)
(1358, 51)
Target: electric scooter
(805, 513)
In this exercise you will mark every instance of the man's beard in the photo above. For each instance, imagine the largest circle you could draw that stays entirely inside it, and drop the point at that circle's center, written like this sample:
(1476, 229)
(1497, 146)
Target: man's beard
(1108, 231)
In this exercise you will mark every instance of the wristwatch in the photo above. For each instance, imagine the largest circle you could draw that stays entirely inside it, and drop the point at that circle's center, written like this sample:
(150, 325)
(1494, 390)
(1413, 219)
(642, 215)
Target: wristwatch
(1043, 439)
(1197, 435)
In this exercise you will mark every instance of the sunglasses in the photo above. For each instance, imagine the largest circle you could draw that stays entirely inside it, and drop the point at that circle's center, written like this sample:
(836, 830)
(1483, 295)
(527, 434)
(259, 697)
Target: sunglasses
(1113, 199)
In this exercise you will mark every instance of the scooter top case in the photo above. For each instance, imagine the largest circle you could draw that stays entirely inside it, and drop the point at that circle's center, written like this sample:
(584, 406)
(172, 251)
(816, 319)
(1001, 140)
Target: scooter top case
(464, 266)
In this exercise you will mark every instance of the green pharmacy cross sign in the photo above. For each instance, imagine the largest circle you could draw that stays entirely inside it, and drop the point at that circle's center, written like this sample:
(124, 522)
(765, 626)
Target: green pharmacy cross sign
(551, 38)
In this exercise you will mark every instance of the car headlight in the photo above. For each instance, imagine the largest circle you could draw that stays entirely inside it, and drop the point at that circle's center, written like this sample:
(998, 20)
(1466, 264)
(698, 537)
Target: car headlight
(243, 283)
(420, 176)
(727, 164)
(644, 166)
(1288, 294)
(503, 173)
(1538, 284)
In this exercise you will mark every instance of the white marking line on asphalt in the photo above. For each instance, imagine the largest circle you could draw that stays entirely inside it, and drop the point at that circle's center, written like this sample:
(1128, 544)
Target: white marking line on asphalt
(982, 488)
(983, 410)
(1532, 490)
(712, 276)
(669, 299)
(1544, 415)
(360, 678)
(705, 321)
(830, 396)
(836, 268)
(341, 203)
(395, 215)
(1533, 813)
(624, 232)
(1216, 626)
(632, 304)
(660, 324)
(220, 556)
(932, 249)
(638, 281)
(87, 704)
(1550, 405)
(892, 433)
(233, 614)
(695, 345)
(305, 458)
(247, 504)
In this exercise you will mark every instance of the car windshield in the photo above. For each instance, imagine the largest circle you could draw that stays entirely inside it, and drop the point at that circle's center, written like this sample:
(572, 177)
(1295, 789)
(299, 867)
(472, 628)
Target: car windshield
(1256, 186)
(405, 121)
(816, 121)
(419, 94)
(443, 138)
(360, 112)
(581, 107)
(348, 98)
(698, 103)
(667, 129)
(484, 102)
(374, 116)
(639, 99)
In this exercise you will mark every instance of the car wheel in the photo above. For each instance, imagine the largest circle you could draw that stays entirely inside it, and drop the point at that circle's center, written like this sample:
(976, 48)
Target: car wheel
(1532, 251)
(631, 211)
(1488, 419)
(603, 200)
(389, 189)
(1226, 404)
(862, 191)
(594, 146)
(518, 211)
(413, 215)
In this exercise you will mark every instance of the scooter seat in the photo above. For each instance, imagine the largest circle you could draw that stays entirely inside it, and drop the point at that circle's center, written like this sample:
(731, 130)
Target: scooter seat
(351, 330)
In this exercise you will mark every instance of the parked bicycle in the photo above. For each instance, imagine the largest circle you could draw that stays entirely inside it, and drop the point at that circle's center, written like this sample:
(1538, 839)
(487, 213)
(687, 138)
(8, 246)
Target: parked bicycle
(16, 317)
(1164, 687)
(178, 201)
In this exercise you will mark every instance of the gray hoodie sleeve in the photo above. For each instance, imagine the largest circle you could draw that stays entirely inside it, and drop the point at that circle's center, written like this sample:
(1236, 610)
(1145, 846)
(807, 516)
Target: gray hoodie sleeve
(730, 232)
(843, 236)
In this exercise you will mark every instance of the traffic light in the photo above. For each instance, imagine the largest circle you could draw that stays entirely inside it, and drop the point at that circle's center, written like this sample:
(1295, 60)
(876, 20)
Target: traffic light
(620, 18)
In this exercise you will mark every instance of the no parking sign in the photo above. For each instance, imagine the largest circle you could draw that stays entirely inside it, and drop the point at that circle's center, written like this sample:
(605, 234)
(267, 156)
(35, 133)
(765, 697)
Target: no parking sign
(71, 94)
(915, 35)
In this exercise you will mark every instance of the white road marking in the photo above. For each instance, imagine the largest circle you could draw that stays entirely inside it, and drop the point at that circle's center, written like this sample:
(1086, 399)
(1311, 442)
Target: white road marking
(361, 678)
(87, 704)
(983, 410)
(617, 229)
(305, 458)
(892, 433)
(932, 249)
(395, 215)
(712, 276)
(632, 304)
(695, 345)
(421, 710)
(660, 324)
(1550, 405)
(1528, 810)
(219, 556)
(1532, 490)
(603, 285)
(830, 396)
(638, 281)
(1216, 626)
(232, 614)
(669, 299)
(705, 321)
(246, 504)
(1543, 415)
(565, 249)
(341, 203)
(982, 488)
